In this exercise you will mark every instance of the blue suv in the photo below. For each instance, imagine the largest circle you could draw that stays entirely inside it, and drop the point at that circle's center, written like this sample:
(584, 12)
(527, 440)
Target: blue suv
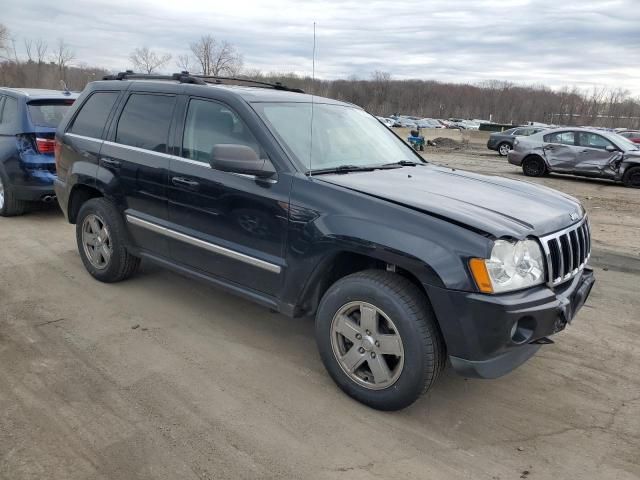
(28, 121)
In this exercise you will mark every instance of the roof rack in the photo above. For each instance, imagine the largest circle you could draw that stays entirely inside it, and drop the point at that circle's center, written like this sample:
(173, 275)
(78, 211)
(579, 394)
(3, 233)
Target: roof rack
(182, 77)
(186, 77)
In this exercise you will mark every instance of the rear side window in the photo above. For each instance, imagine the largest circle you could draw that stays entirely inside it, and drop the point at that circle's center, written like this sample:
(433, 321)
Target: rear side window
(564, 138)
(93, 114)
(145, 121)
(9, 111)
(48, 113)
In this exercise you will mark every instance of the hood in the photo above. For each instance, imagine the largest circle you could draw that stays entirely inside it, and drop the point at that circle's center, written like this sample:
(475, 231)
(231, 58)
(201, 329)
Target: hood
(493, 205)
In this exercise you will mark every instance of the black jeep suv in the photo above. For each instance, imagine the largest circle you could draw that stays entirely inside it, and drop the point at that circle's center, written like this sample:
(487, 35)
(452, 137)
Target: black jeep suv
(311, 206)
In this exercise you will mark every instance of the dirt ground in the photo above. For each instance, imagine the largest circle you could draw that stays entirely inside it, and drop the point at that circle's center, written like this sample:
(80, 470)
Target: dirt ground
(161, 377)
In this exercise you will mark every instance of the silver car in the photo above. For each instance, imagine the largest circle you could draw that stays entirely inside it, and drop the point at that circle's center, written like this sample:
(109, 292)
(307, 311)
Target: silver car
(578, 151)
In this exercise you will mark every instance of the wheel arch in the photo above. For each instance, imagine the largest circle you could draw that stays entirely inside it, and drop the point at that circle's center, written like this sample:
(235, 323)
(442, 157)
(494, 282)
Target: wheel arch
(79, 194)
(342, 263)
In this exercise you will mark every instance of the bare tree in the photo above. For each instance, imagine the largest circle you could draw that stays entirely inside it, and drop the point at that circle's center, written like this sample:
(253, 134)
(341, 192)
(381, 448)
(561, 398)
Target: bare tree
(215, 57)
(4, 39)
(28, 47)
(147, 60)
(184, 62)
(41, 50)
(62, 56)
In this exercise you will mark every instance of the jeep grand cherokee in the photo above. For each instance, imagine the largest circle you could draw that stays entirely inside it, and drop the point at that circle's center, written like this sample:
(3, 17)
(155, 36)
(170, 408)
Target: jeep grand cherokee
(312, 207)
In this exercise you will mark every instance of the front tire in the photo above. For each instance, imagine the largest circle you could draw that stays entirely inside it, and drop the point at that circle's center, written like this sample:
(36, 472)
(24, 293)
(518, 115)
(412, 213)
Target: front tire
(10, 206)
(378, 339)
(504, 149)
(534, 167)
(101, 238)
(631, 178)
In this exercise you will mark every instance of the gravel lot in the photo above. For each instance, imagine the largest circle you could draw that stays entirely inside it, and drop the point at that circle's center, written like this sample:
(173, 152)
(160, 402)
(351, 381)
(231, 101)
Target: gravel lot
(161, 377)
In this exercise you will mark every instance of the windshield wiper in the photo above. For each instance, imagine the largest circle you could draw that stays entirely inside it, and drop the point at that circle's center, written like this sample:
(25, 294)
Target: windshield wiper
(404, 163)
(346, 169)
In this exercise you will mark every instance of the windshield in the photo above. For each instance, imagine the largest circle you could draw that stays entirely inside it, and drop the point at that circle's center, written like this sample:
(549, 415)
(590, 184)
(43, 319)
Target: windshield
(48, 113)
(624, 142)
(342, 135)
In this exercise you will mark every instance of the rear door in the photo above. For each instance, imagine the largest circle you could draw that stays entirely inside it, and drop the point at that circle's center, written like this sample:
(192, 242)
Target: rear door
(83, 138)
(594, 158)
(561, 150)
(134, 163)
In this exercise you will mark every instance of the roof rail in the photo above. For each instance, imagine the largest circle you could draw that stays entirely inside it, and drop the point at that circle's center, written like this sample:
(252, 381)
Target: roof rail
(186, 77)
(276, 85)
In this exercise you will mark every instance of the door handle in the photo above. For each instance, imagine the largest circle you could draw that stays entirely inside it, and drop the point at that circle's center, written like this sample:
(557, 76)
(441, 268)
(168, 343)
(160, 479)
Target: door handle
(184, 182)
(110, 162)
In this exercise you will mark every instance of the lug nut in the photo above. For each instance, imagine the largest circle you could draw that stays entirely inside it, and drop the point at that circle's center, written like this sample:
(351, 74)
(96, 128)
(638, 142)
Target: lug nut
(358, 336)
(361, 350)
(377, 343)
(368, 332)
(373, 354)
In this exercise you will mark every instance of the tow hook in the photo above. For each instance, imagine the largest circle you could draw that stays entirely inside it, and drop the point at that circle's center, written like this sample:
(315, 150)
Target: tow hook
(542, 341)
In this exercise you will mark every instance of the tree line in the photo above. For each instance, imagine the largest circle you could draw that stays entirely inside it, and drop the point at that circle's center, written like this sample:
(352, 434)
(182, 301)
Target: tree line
(44, 66)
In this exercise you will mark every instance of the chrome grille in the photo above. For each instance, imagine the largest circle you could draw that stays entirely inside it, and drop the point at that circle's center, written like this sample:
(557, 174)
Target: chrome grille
(567, 252)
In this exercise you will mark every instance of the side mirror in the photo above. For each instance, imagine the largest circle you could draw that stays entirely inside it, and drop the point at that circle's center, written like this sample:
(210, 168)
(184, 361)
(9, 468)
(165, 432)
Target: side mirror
(611, 148)
(240, 159)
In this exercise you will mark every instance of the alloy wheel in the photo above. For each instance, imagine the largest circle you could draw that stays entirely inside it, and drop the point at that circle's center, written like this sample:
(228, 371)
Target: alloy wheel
(505, 149)
(367, 345)
(96, 241)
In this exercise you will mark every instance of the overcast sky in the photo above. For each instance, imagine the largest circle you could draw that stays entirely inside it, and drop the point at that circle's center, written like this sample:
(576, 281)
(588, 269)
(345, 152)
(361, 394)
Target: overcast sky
(581, 42)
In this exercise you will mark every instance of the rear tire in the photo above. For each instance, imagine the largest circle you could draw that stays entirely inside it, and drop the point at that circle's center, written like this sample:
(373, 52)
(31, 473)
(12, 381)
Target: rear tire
(101, 236)
(504, 148)
(534, 167)
(631, 178)
(399, 311)
(10, 206)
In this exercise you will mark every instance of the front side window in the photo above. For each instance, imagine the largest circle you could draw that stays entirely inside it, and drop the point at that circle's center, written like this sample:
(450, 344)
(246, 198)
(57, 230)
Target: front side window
(564, 138)
(593, 140)
(210, 123)
(91, 118)
(342, 135)
(145, 120)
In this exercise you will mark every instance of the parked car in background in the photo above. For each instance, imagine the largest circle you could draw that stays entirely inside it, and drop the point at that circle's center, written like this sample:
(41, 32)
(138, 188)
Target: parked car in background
(633, 135)
(389, 122)
(428, 123)
(502, 142)
(28, 121)
(578, 151)
(406, 122)
(464, 124)
(405, 265)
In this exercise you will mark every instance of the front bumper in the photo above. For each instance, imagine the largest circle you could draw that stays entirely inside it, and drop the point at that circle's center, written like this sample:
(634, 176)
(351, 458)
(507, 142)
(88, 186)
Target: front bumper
(488, 336)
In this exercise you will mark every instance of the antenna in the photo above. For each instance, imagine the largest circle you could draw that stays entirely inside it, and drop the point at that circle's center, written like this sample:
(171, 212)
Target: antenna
(313, 85)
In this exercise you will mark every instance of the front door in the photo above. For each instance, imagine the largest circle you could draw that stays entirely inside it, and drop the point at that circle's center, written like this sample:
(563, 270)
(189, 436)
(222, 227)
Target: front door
(598, 157)
(561, 151)
(227, 225)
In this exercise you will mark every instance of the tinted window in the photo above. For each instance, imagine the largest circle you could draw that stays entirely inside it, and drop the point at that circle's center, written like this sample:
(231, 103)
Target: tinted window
(93, 114)
(48, 113)
(210, 123)
(565, 138)
(9, 111)
(145, 121)
(593, 140)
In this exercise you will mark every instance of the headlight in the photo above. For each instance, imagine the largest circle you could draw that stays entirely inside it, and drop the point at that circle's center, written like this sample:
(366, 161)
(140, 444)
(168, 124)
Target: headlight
(512, 266)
